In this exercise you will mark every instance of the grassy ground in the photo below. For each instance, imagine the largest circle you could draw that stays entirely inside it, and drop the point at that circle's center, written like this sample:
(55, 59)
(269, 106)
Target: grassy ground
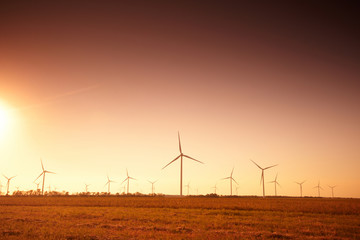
(178, 218)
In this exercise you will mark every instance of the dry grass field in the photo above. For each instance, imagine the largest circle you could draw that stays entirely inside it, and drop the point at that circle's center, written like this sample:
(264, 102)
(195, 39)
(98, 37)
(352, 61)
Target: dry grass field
(178, 218)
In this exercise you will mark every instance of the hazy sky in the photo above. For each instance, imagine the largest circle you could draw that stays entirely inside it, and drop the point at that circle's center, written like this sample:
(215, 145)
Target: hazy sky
(94, 89)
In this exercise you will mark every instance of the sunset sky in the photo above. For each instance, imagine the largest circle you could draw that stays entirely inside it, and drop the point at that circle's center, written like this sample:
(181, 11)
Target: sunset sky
(95, 89)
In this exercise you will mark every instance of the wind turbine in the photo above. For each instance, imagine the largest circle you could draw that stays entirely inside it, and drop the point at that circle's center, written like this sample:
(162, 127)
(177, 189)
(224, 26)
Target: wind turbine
(188, 187)
(152, 186)
(231, 180)
(128, 180)
(43, 173)
(236, 189)
(262, 180)
(300, 184)
(332, 190)
(37, 185)
(214, 187)
(8, 183)
(181, 163)
(108, 183)
(319, 187)
(86, 187)
(275, 183)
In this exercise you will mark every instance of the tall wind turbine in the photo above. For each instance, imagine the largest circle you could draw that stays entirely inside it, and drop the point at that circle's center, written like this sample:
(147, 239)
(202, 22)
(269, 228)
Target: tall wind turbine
(43, 173)
(275, 183)
(319, 187)
(152, 186)
(188, 187)
(300, 184)
(262, 180)
(231, 180)
(181, 163)
(8, 183)
(108, 183)
(332, 190)
(128, 180)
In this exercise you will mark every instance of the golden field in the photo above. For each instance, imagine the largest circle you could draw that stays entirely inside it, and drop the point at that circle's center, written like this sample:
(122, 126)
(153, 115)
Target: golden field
(113, 217)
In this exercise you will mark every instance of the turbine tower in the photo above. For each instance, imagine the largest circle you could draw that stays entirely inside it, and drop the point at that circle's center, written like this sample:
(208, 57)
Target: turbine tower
(8, 183)
(128, 180)
(262, 180)
(231, 180)
(319, 187)
(152, 186)
(332, 190)
(181, 163)
(300, 184)
(43, 173)
(275, 183)
(108, 183)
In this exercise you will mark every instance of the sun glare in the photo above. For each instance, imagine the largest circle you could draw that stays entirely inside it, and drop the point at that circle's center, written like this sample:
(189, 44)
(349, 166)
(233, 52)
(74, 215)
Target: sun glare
(4, 119)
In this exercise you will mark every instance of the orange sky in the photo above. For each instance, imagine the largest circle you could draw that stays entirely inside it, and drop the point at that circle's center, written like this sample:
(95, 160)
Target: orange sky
(95, 89)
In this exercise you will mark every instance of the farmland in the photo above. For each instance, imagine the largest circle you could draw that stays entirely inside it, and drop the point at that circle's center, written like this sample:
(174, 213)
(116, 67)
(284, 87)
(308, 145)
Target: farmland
(113, 217)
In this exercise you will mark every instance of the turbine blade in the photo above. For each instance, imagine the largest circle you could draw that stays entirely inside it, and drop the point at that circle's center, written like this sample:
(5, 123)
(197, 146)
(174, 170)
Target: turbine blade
(256, 164)
(225, 178)
(179, 142)
(6, 177)
(49, 172)
(127, 173)
(132, 178)
(39, 176)
(232, 172)
(124, 181)
(193, 159)
(271, 166)
(234, 181)
(42, 166)
(172, 161)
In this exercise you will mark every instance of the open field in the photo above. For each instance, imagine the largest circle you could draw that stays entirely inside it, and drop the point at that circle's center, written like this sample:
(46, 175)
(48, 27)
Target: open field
(178, 218)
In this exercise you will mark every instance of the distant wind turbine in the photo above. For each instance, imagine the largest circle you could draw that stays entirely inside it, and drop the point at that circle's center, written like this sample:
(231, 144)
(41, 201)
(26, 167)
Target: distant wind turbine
(215, 188)
(86, 187)
(37, 185)
(231, 180)
(319, 187)
(43, 173)
(262, 180)
(236, 190)
(300, 184)
(8, 183)
(108, 183)
(152, 186)
(128, 180)
(181, 163)
(275, 183)
(188, 187)
(332, 190)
